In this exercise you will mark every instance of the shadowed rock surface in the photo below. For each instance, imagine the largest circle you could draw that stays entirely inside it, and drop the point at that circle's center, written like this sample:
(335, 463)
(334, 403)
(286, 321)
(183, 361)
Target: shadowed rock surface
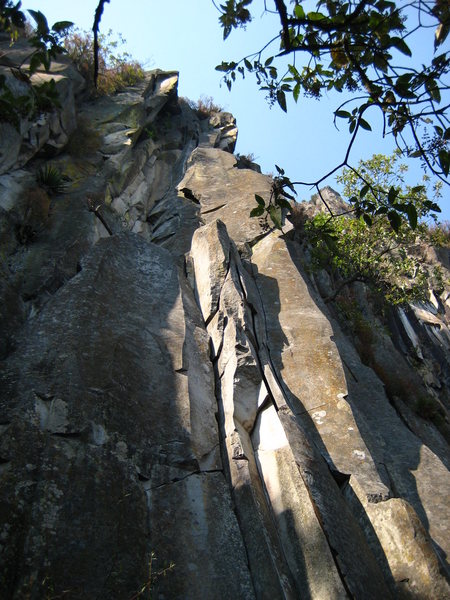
(181, 415)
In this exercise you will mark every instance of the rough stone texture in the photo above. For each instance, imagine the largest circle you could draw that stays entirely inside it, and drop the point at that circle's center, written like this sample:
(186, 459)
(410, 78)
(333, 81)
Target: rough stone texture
(18, 145)
(401, 545)
(64, 423)
(175, 396)
(224, 192)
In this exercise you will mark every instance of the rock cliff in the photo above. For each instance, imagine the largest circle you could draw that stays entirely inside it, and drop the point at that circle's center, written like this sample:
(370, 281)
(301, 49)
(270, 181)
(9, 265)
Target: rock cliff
(182, 416)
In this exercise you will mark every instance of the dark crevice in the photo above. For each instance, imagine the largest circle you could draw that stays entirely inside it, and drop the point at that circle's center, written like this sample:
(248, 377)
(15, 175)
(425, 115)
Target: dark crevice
(225, 461)
(211, 210)
(341, 479)
(163, 238)
(335, 556)
(178, 479)
(259, 237)
(214, 355)
(333, 552)
(45, 397)
(212, 315)
(67, 434)
(189, 195)
(165, 221)
(348, 369)
(393, 402)
(392, 486)
(217, 308)
(271, 365)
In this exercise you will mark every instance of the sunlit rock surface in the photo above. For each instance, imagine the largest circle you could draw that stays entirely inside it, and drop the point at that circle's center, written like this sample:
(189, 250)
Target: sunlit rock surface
(181, 414)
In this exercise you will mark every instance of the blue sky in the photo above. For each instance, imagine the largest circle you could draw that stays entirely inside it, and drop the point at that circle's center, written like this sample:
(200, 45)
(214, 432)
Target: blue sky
(184, 35)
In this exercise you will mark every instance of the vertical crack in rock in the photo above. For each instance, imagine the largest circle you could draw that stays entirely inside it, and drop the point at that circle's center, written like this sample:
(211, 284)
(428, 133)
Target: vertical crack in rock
(235, 369)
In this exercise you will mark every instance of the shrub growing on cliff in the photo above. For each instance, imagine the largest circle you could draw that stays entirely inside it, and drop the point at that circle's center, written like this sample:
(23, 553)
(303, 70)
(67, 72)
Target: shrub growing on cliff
(116, 69)
(51, 180)
(46, 44)
(386, 255)
(439, 234)
(205, 106)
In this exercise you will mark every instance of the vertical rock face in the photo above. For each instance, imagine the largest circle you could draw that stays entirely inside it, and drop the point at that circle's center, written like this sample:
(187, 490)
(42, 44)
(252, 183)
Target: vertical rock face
(180, 414)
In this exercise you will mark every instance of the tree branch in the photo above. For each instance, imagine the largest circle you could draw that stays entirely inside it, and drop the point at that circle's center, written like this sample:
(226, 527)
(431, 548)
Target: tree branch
(95, 29)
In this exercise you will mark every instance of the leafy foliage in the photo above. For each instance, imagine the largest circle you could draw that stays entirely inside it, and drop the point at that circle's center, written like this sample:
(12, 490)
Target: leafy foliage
(11, 18)
(279, 200)
(116, 70)
(381, 173)
(234, 14)
(51, 180)
(47, 45)
(359, 47)
(439, 234)
(47, 42)
(385, 256)
(377, 255)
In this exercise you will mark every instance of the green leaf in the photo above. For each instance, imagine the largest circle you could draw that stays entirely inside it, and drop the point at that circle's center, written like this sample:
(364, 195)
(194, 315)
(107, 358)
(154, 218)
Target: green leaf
(41, 21)
(275, 216)
(368, 219)
(248, 64)
(35, 62)
(444, 161)
(281, 97)
(287, 195)
(395, 220)
(365, 125)
(224, 66)
(260, 200)
(418, 189)
(412, 215)
(382, 210)
(392, 195)
(401, 45)
(433, 90)
(283, 203)
(299, 12)
(62, 26)
(316, 16)
(343, 114)
(364, 191)
(431, 206)
(441, 33)
(268, 62)
(296, 92)
(258, 211)
(279, 169)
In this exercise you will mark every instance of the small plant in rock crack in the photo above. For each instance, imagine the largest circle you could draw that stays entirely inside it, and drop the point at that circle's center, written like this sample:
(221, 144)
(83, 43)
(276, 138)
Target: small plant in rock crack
(149, 132)
(52, 180)
(153, 575)
(279, 200)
